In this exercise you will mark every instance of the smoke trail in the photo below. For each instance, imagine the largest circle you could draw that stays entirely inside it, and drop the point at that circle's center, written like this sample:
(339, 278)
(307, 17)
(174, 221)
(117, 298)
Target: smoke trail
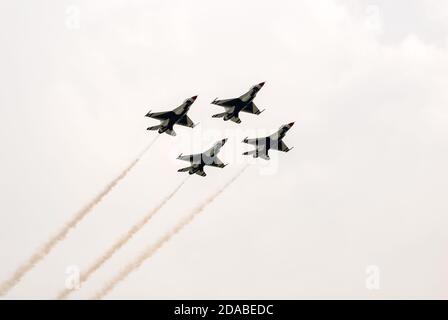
(122, 241)
(62, 233)
(151, 250)
(142, 153)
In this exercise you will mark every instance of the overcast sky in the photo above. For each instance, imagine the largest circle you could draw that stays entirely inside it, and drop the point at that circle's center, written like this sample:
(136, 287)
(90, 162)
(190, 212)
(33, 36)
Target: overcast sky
(365, 185)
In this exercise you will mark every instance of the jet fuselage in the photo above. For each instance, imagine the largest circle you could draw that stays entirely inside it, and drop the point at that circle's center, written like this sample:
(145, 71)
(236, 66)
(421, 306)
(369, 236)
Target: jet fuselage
(174, 116)
(243, 101)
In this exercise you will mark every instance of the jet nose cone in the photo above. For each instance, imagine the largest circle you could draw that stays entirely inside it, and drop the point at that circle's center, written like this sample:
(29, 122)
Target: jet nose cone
(223, 141)
(261, 84)
(291, 124)
(194, 98)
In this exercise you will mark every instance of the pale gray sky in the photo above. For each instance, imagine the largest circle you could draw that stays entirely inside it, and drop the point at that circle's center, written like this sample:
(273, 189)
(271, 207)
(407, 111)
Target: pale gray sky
(366, 184)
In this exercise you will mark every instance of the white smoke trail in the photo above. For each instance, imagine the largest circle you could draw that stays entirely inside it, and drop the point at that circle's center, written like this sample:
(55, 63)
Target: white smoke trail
(142, 153)
(62, 233)
(121, 241)
(151, 250)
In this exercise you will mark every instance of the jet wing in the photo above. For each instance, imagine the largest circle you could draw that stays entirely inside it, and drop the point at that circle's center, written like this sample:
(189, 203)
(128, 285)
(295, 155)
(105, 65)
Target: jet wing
(225, 102)
(158, 115)
(213, 151)
(280, 146)
(185, 121)
(216, 163)
(251, 108)
(193, 158)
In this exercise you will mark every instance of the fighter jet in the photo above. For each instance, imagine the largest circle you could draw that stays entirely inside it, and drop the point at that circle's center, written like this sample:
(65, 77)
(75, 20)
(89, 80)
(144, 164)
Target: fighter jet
(243, 103)
(207, 158)
(274, 142)
(169, 118)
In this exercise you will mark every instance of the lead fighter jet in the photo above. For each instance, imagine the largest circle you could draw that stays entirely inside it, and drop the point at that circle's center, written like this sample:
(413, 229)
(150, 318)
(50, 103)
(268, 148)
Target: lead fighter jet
(243, 103)
(274, 142)
(200, 160)
(169, 118)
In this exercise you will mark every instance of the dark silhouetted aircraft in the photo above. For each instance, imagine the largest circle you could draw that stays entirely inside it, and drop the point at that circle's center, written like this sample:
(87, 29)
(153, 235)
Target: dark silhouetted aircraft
(272, 142)
(200, 160)
(243, 103)
(169, 118)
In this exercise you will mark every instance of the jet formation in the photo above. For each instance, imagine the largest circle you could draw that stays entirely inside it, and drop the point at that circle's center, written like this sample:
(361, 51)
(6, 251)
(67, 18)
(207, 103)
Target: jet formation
(233, 107)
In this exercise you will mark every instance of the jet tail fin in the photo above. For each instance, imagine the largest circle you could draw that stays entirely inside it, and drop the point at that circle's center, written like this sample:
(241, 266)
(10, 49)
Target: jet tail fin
(191, 170)
(154, 127)
(248, 153)
(255, 153)
(219, 115)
